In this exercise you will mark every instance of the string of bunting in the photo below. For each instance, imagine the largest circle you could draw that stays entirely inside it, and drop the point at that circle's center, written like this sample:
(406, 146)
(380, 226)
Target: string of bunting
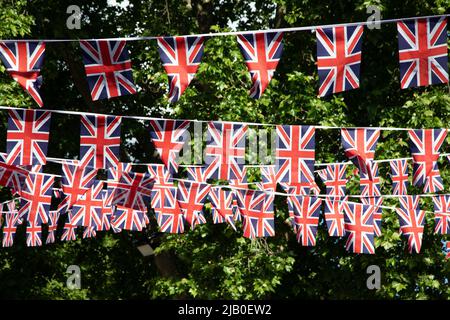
(422, 51)
(83, 200)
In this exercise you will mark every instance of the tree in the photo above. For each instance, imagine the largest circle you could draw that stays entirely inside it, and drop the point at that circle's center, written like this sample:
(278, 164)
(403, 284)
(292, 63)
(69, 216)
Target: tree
(213, 261)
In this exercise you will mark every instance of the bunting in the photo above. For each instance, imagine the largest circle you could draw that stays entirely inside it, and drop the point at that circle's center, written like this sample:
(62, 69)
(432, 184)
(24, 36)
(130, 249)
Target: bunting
(23, 61)
(306, 211)
(359, 227)
(262, 52)
(442, 214)
(412, 221)
(399, 176)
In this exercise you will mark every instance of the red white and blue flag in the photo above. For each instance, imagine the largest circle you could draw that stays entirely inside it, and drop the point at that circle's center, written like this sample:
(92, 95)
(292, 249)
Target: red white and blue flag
(27, 137)
(359, 227)
(191, 198)
(162, 176)
(181, 57)
(133, 190)
(168, 138)
(168, 213)
(106, 212)
(199, 173)
(334, 216)
(334, 178)
(294, 158)
(23, 61)
(225, 150)
(442, 214)
(268, 179)
(76, 181)
(87, 210)
(257, 213)
(359, 146)
(447, 249)
(100, 141)
(423, 56)
(11, 176)
(338, 58)
(129, 219)
(36, 197)
(108, 68)
(262, 52)
(53, 218)
(12, 220)
(399, 176)
(222, 206)
(305, 211)
(412, 221)
(376, 203)
(424, 146)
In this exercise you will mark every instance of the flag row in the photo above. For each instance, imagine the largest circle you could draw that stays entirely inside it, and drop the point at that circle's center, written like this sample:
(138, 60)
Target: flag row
(130, 196)
(422, 52)
(100, 141)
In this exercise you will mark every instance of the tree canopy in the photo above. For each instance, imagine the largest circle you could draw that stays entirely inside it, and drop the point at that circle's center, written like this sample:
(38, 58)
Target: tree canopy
(213, 261)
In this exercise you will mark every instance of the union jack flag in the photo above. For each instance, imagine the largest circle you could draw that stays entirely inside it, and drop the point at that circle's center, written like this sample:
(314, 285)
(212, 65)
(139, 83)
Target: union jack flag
(225, 150)
(359, 146)
(412, 221)
(23, 61)
(261, 52)
(423, 56)
(295, 156)
(69, 231)
(168, 138)
(167, 210)
(36, 197)
(114, 173)
(257, 213)
(12, 220)
(338, 58)
(76, 181)
(191, 198)
(334, 216)
(108, 68)
(100, 141)
(11, 176)
(87, 209)
(376, 203)
(359, 227)
(129, 219)
(52, 226)
(27, 137)
(425, 145)
(222, 206)
(181, 57)
(399, 176)
(334, 178)
(34, 231)
(133, 190)
(442, 214)
(306, 211)
(370, 183)
(236, 184)
(199, 173)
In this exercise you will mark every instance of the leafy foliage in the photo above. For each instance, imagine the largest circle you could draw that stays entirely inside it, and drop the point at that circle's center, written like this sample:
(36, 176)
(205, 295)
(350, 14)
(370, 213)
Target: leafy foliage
(214, 261)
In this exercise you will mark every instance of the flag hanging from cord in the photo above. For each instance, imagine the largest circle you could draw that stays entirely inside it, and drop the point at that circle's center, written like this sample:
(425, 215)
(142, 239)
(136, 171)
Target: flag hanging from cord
(23, 61)
(108, 68)
(262, 52)
(305, 213)
(359, 227)
(424, 146)
(27, 137)
(181, 57)
(100, 141)
(412, 221)
(359, 146)
(399, 176)
(423, 52)
(338, 58)
(442, 214)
